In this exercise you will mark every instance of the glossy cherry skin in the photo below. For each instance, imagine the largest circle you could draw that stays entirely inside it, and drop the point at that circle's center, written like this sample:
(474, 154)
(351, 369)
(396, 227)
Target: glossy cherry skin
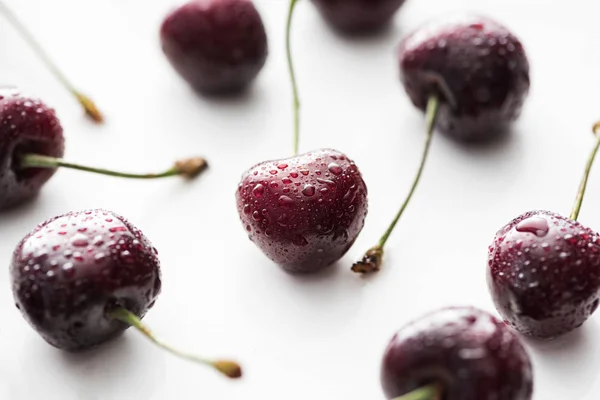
(303, 212)
(70, 270)
(478, 69)
(357, 16)
(468, 352)
(217, 46)
(544, 273)
(27, 125)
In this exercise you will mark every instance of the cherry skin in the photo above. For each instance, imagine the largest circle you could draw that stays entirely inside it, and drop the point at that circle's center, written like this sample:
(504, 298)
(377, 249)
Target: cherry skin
(355, 16)
(70, 270)
(217, 46)
(466, 352)
(544, 273)
(303, 212)
(27, 125)
(477, 68)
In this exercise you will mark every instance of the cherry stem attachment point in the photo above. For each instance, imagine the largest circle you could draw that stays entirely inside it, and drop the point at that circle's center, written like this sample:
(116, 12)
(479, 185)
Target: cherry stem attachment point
(288, 45)
(588, 168)
(431, 392)
(228, 368)
(88, 105)
(188, 168)
(372, 260)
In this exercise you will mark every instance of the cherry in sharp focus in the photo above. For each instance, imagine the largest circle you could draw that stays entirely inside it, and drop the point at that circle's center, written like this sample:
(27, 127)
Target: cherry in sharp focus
(304, 212)
(86, 103)
(358, 16)
(83, 278)
(457, 353)
(544, 269)
(471, 77)
(217, 46)
(32, 147)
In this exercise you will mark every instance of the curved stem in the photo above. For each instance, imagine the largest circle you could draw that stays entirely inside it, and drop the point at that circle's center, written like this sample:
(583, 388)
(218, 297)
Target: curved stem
(372, 260)
(88, 105)
(431, 392)
(227, 368)
(588, 168)
(288, 46)
(188, 168)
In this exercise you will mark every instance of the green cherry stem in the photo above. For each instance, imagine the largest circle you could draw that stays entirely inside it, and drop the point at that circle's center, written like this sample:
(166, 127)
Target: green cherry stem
(88, 105)
(588, 168)
(373, 258)
(431, 392)
(188, 168)
(288, 45)
(228, 368)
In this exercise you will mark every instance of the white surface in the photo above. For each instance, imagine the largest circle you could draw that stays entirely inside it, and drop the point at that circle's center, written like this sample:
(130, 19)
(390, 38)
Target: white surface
(317, 337)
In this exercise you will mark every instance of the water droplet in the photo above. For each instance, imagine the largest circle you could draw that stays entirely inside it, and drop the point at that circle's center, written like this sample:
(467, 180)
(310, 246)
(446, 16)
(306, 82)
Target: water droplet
(294, 175)
(80, 240)
(127, 257)
(326, 181)
(335, 169)
(285, 201)
(99, 257)
(117, 229)
(248, 228)
(273, 172)
(282, 166)
(258, 190)
(286, 181)
(308, 191)
(247, 209)
(536, 225)
(256, 216)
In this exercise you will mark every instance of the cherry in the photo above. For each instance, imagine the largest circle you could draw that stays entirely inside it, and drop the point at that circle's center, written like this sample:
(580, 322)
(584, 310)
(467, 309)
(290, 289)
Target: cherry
(477, 68)
(471, 76)
(32, 144)
(544, 269)
(456, 353)
(217, 46)
(81, 279)
(86, 103)
(352, 16)
(304, 212)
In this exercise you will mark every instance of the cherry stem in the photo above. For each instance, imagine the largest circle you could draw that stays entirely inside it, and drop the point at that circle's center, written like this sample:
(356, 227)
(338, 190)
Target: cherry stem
(373, 258)
(88, 105)
(188, 168)
(228, 368)
(584, 181)
(288, 44)
(431, 392)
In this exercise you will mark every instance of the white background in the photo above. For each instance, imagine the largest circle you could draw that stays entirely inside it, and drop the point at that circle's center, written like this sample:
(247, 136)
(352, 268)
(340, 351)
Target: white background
(318, 337)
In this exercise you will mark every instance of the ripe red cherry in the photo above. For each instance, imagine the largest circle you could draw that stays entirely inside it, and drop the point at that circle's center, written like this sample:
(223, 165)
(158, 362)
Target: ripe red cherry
(303, 212)
(457, 353)
(354, 16)
(217, 46)
(32, 147)
(475, 66)
(82, 278)
(544, 269)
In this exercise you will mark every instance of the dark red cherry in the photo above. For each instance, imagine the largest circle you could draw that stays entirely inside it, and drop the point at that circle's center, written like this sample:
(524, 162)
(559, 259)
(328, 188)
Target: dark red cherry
(71, 270)
(352, 16)
(32, 146)
(457, 354)
(477, 68)
(306, 211)
(27, 125)
(544, 273)
(217, 46)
